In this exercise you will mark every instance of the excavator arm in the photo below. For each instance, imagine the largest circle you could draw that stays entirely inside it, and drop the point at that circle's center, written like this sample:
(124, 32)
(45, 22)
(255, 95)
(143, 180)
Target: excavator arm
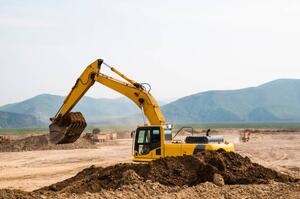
(66, 126)
(142, 98)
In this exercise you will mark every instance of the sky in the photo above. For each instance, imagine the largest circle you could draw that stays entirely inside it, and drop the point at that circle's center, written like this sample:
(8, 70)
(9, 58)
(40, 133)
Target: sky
(179, 47)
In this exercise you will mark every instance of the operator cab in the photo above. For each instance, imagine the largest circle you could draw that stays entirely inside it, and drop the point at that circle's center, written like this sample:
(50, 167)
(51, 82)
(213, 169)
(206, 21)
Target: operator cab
(148, 140)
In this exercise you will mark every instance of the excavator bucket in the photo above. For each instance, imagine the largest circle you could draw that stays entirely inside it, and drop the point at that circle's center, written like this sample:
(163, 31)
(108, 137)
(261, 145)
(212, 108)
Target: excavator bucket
(67, 129)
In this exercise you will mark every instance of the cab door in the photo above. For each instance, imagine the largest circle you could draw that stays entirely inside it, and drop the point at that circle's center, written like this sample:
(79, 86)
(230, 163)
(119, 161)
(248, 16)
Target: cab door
(147, 143)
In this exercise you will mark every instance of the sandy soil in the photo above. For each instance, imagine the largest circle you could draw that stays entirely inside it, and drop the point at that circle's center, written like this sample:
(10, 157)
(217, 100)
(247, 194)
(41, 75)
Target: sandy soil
(34, 169)
(279, 151)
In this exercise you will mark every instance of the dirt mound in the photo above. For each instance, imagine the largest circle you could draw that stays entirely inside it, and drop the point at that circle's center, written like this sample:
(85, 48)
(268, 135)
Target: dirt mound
(17, 194)
(4, 139)
(40, 142)
(155, 190)
(171, 171)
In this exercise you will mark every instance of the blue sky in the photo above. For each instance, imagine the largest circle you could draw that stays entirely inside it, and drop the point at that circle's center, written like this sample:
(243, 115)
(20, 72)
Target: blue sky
(179, 47)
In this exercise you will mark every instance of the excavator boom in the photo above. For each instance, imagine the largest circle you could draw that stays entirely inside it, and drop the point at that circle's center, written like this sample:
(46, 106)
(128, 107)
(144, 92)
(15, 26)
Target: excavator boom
(66, 126)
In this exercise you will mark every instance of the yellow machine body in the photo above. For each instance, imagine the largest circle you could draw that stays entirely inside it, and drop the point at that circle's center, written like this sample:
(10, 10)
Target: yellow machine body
(147, 148)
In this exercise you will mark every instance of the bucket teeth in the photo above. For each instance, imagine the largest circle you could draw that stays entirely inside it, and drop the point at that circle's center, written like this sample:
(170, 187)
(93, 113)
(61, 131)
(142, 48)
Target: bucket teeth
(68, 129)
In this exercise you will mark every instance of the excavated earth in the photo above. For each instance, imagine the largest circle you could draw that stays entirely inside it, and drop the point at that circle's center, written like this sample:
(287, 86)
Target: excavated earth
(39, 142)
(211, 175)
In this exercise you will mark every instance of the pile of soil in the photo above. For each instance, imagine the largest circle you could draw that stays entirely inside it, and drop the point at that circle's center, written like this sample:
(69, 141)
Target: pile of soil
(40, 142)
(17, 194)
(172, 172)
(4, 139)
(155, 190)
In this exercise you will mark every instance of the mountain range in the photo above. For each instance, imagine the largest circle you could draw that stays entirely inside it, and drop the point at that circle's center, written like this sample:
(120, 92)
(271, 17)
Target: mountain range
(45, 106)
(16, 120)
(278, 100)
(275, 101)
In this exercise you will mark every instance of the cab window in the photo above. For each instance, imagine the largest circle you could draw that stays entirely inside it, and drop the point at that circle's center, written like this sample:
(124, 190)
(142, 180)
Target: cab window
(143, 136)
(147, 139)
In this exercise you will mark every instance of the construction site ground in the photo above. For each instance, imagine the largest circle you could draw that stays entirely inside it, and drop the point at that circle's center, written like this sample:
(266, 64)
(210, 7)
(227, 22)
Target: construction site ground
(41, 168)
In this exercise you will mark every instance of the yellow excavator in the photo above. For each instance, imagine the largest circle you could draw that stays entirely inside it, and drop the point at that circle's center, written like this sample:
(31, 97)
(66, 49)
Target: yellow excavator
(150, 141)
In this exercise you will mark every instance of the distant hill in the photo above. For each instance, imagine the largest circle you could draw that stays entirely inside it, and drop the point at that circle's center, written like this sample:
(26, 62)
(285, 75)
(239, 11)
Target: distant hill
(277, 100)
(45, 106)
(16, 120)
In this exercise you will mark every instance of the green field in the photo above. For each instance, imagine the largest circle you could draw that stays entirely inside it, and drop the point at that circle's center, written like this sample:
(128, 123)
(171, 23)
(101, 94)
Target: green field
(280, 125)
(22, 131)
